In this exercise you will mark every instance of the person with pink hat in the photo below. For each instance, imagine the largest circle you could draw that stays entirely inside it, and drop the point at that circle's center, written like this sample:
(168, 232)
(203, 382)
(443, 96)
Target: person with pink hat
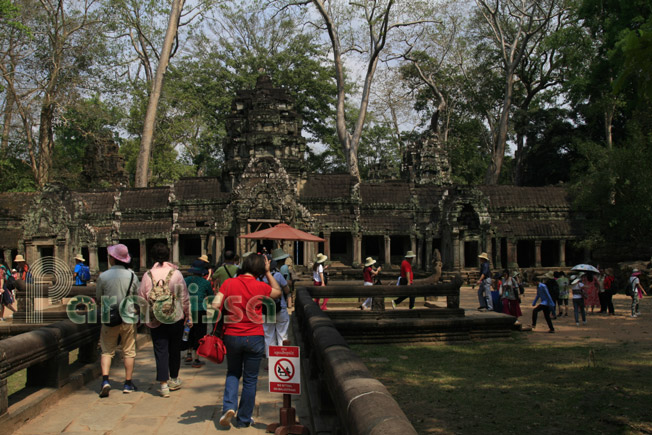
(112, 288)
(637, 291)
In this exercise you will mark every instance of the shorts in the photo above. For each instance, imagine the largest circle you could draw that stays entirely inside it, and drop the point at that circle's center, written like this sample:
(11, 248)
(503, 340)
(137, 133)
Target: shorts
(109, 339)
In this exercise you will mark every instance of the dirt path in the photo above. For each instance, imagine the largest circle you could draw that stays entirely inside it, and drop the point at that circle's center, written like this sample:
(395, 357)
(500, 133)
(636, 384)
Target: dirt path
(599, 328)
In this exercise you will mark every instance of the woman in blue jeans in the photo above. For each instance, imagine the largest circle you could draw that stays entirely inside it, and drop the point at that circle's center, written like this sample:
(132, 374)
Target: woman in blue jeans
(244, 336)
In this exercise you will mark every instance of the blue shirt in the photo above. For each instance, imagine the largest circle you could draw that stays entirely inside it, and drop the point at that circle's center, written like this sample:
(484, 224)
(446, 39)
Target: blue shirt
(78, 270)
(282, 283)
(544, 295)
(484, 270)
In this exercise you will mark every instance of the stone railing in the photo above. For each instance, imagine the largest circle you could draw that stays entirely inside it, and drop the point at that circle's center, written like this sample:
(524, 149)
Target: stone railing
(26, 304)
(44, 352)
(362, 403)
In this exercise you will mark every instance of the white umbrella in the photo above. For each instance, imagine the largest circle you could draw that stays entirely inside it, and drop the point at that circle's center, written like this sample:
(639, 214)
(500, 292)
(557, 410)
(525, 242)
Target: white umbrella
(584, 268)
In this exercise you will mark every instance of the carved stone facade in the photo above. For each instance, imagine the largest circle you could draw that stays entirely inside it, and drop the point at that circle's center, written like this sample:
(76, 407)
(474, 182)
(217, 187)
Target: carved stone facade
(265, 182)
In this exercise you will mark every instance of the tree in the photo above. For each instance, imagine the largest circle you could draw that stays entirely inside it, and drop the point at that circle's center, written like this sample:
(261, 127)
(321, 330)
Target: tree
(142, 167)
(379, 19)
(514, 28)
(45, 69)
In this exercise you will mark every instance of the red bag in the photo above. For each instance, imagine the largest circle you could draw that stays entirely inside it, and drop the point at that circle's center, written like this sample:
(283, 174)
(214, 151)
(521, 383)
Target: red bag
(211, 347)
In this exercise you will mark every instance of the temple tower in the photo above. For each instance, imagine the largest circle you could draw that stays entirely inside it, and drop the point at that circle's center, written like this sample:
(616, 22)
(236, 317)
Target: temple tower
(263, 124)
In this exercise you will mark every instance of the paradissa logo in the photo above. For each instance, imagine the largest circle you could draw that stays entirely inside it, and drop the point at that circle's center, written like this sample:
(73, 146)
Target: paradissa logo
(133, 308)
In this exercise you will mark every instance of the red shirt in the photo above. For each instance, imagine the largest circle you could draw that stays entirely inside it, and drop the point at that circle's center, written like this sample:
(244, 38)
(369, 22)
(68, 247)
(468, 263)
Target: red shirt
(243, 309)
(366, 275)
(406, 269)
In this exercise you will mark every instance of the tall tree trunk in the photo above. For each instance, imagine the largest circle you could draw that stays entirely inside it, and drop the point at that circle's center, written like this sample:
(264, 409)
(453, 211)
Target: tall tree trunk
(518, 156)
(46, 145)
(500, 139)
(6, 122)
(142, 165)
(608, 125)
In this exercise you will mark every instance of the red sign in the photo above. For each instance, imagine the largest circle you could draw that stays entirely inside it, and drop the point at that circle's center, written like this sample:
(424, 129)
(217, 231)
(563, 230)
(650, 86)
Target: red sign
(284, 370)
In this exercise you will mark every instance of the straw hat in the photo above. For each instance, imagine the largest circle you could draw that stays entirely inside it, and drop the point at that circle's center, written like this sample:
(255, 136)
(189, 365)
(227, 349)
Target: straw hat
(321, 258)
(19, 258)
(246, 254)
(369, 261)
(636, 272)
(410, 254)
(203, 258)
(549, 275)
(574, 280)
(279, 254)
(484, 256)
(120, 252)
(80, 257)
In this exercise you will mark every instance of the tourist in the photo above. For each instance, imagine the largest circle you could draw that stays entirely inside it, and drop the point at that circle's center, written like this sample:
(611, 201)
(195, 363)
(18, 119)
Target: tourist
(77, 272)
(244, 338)
(201, 295)
(546, 305)
(484, 283)
(579, 295)
(166, 328)
(287, 270)
(495, 293)
(637, 291)
(204, 262)
(590, 282)
(23, 268)
(368, 276)
(228, 269)
(511, 300)
(406, 278)
(6, 290)
(553, 289)
(564, 293)
(318, 278)
(277, 332)
(112, 288)
(609, 292)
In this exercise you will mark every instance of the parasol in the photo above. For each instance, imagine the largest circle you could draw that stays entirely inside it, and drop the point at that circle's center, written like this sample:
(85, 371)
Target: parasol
(282, 232)
(584, 268)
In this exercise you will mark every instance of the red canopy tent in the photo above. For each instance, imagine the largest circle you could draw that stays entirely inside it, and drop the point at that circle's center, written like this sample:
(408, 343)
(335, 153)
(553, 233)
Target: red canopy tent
(282, 232)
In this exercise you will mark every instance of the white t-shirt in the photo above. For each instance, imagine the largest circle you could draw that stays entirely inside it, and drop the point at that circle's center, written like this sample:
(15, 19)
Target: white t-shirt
(317, 272)
(577, 290)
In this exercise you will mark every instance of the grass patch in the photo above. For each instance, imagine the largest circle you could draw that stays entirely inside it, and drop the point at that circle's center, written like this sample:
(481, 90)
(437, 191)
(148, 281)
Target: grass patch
(514, 386)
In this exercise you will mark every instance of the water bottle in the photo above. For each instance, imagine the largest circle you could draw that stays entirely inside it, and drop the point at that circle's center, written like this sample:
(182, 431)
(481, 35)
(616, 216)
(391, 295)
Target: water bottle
(186, 332)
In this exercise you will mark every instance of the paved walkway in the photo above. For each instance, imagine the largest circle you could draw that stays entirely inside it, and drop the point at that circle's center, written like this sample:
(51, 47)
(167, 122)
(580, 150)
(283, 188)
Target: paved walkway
(195, 408)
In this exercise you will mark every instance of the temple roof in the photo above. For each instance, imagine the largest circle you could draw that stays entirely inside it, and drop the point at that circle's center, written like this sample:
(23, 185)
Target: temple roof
(15, 204)
(145, 198)
(209, 188)
(330, 186)
(389, 192)
(519, 197)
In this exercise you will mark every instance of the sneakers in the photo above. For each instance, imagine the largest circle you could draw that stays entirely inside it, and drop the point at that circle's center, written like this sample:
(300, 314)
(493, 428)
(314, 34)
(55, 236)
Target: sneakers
(165, 390)
(225, 420)
(393, 305)
(238, 424)
(106, 387)
(129, 388)
(174, 384)
(197, 364)
(188, 358)
(577, 323)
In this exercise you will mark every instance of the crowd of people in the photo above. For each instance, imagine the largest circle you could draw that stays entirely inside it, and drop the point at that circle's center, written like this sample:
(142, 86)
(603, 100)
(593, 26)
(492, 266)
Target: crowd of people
(177, 318)
(503, 292)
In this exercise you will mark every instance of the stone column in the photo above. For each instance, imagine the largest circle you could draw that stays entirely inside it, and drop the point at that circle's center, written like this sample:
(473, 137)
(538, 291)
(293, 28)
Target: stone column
(219, 246)
(8, 259)
(357, 250)
(203, 237)
(456, 251)
(462, 253)
(537, 253)
(562, 253)
(420, 253)
(499, 259)
(143, 254)
(327, 244)
(428, 265)
(413, 243)
(93, 262)
(175, 248)
(388, 251)
(486, 240)
(512, 257)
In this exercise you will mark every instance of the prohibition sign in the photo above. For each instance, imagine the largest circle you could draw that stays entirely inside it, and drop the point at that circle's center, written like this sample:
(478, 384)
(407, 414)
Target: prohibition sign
(284, 370)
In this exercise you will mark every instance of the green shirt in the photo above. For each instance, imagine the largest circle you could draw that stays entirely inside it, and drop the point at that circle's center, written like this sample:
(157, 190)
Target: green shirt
(199, 289)
(220, 275)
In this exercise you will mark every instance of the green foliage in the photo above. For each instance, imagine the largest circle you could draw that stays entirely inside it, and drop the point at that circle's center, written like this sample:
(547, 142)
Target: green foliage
(16, 176)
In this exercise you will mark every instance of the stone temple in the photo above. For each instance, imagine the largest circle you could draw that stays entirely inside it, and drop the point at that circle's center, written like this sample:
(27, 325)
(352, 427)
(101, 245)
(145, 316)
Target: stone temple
(265, 182)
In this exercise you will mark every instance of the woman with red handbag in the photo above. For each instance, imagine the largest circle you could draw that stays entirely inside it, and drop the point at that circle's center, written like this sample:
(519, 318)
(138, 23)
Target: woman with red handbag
(244, 337)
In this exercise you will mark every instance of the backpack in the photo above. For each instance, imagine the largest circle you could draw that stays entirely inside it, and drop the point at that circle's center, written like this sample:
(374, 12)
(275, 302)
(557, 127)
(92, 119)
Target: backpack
(629, 288)
(85, 273)
(161, 299)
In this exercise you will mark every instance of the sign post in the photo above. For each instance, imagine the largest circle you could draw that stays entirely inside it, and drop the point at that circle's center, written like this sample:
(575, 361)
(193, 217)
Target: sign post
(285, 378)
